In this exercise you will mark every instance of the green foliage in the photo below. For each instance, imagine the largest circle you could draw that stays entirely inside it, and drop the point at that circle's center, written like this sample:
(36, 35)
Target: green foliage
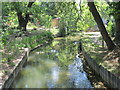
(86, 20)
(14, 47)
(50, 8)
(6, 34)
(103, 9)
(111, 28)
(31, 42)
(9, 15)
(68, 14)
(37, 11)
(45, 20)
(73, 17)
(67, 52)
(55, 31)
(115, 9)
(4, 60)
(92, 48)
(89, 44)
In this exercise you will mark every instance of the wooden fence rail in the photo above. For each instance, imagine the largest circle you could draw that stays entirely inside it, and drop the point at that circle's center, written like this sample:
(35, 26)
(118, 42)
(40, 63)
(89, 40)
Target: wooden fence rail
(112, 80)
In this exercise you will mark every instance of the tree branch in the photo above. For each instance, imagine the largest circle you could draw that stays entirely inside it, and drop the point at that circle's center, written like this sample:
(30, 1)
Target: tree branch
(27, 14)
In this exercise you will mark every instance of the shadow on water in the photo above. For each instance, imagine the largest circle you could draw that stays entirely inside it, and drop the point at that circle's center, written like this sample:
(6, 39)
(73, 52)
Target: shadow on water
(54, 66)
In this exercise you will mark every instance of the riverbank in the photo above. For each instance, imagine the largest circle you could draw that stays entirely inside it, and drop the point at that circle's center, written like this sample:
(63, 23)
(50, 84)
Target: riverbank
(96, 82)
(95, 79)
(96, 48)
(12, 57)
(50, 64)
(111, 80)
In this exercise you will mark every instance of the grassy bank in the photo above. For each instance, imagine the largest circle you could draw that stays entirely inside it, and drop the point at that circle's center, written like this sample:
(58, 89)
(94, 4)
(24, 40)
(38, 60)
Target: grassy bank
(13, 49)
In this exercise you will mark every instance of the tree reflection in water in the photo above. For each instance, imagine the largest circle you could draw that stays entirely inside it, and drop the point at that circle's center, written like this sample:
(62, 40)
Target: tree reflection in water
(54, 66)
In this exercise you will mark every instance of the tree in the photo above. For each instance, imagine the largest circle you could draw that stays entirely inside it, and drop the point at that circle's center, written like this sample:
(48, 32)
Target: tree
(101, 26)
(23, 20)
(85, 16)
(21, 10)
(50, 8)
(68, 14)
(115, 11)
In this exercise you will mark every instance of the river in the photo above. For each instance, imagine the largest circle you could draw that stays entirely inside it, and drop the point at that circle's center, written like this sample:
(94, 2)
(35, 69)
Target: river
(54, 66)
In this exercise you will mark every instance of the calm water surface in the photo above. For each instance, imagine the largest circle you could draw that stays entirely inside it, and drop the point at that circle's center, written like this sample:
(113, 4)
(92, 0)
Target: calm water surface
(54, 66)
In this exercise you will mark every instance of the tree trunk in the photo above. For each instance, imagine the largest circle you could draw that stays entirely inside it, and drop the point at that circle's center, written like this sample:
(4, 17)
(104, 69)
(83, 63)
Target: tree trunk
(117, 33)
(117, 22)
(23, 20)
(101, 26)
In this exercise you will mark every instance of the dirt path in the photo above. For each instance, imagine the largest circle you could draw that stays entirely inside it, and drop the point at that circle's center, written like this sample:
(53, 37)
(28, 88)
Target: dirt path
(108, 59)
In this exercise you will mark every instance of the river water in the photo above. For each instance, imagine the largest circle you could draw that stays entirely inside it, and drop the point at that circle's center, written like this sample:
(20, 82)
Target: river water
(55, 66)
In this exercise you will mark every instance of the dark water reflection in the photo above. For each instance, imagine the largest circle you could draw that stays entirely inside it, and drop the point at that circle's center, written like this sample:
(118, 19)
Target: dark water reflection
(54, 66)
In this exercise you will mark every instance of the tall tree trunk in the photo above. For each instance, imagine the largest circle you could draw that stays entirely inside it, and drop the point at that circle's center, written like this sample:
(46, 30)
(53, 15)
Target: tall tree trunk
(23, 20)
(101, 26)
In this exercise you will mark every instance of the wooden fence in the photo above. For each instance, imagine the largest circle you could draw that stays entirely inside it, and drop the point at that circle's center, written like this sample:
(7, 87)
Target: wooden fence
(112, 80)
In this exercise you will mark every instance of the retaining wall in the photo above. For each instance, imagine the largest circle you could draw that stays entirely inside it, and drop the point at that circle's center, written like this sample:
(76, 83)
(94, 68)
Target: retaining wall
(112, 80)
(15, 72)
(7, 83)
